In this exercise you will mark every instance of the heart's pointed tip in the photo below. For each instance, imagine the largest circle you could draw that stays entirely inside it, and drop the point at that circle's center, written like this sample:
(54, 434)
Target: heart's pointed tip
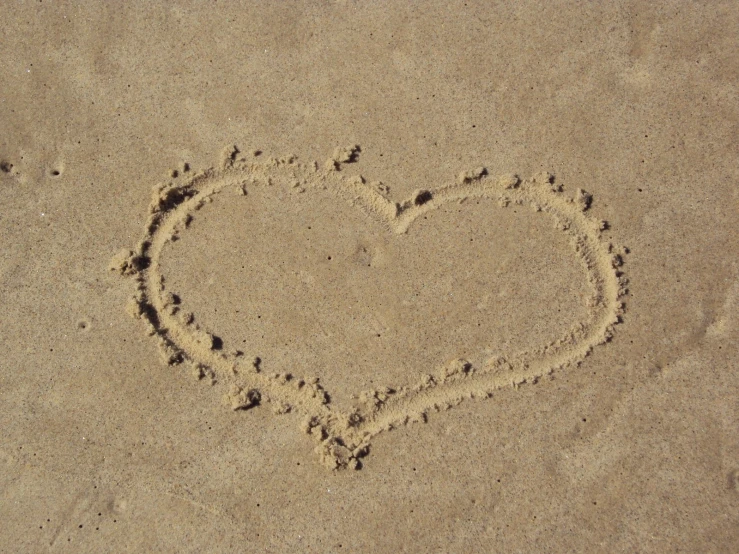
(337, 454)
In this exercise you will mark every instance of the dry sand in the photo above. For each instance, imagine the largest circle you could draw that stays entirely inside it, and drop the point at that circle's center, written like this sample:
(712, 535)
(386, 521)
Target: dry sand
(458, 278)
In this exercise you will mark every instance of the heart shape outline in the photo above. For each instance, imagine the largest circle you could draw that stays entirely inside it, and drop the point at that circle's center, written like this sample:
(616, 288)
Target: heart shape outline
(344, 438)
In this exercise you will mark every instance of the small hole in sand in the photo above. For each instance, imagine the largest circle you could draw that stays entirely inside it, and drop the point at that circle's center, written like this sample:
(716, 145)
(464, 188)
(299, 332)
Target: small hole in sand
(55, 172)
(83, 325)
(422, 197)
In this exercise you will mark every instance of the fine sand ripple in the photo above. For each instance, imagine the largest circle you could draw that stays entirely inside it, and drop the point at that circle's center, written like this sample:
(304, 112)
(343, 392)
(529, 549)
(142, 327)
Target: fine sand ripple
(344, 437)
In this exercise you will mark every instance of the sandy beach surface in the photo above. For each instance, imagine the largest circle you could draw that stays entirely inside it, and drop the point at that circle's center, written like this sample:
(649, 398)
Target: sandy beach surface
(369, 277)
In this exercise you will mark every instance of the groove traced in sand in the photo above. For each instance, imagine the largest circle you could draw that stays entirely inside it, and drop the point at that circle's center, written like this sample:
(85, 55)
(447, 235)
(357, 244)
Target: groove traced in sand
(343, 438)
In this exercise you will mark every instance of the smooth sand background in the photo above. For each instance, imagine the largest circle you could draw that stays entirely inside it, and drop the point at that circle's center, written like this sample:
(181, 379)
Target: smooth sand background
(105, 448)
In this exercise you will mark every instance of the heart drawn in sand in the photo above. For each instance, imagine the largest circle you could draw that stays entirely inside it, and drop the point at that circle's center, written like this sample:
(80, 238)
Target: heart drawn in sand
(343, 436)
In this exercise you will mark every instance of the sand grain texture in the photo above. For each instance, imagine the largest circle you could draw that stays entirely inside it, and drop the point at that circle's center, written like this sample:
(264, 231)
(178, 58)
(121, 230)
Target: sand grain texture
(484, 356)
